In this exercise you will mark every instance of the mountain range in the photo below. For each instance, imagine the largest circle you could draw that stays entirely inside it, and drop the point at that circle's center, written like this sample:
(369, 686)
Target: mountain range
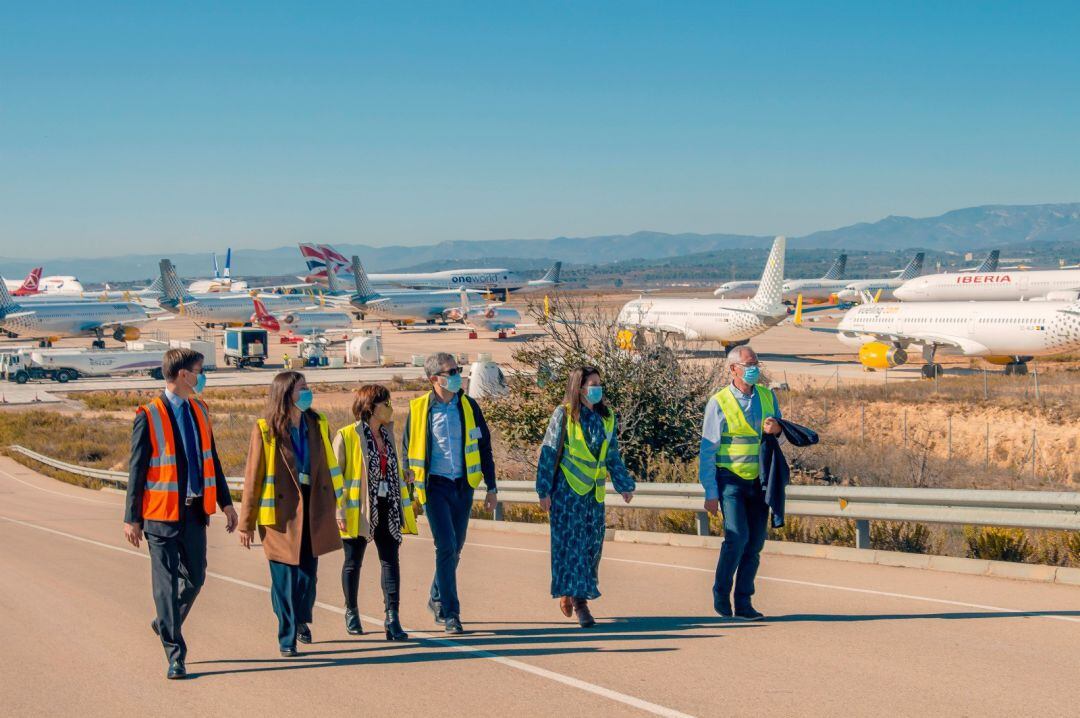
(961, 230)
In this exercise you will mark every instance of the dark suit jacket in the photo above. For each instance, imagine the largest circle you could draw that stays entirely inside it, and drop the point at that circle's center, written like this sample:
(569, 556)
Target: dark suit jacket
(774, 467)
(487, 462)
(139, 463)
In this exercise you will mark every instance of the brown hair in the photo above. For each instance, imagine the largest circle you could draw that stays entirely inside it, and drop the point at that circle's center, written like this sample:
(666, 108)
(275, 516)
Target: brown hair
(367, 397)
(280, 403)
(176, 360)
(572, 399)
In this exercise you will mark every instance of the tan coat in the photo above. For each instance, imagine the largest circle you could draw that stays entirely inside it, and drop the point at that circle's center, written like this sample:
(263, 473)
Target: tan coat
(281, 542)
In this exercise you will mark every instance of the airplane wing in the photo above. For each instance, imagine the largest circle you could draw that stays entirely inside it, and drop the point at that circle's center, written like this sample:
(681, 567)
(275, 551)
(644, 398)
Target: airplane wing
(685, 332)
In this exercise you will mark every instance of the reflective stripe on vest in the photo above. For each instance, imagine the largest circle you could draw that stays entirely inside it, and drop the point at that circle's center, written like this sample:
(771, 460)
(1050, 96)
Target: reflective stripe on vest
(740, 443)
(161, 498)
(583, 471)
(419, 420)
(354, 473)
(267, 496)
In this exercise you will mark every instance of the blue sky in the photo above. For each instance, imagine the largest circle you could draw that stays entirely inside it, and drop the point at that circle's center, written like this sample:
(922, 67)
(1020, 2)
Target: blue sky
(141, 126)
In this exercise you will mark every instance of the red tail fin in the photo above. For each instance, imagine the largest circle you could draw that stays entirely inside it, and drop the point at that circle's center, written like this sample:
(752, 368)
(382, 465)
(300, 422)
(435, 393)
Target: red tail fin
(263, 318)
(30, 284)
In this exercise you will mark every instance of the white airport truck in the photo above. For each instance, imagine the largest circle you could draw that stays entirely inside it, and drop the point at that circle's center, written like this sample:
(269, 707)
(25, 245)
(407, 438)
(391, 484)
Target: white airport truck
(64, 365)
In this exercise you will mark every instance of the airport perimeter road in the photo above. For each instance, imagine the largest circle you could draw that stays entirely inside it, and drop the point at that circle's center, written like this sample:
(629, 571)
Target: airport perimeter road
(844, 639)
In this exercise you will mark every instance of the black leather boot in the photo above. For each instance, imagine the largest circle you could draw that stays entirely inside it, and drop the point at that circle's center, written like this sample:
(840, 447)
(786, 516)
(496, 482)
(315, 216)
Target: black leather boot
(584, 615)
(393, 628)
(352, 623)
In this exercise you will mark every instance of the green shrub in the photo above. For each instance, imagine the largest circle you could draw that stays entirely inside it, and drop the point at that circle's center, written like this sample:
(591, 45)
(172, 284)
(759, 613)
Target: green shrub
(998, 544)
(902, 536)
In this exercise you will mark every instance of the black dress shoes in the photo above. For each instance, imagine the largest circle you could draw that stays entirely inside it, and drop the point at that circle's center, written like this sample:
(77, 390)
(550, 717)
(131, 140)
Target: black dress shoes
(303, 633)
(352, 623)
(747, 613)
(453, 626)
(722, 605)
(176, 671)
(289, 652)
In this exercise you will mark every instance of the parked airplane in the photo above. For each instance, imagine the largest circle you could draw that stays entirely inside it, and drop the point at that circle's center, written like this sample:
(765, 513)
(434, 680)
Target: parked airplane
(729, 321)
(491, 317)
(745, 288)
(1006, 333)
(49, 321)
(219, 282)
(855, 290)
(227, 308)
(822, 289)
(989, 264)
(27, 287)
(402, 306)
(1058, 284)
(300, 323)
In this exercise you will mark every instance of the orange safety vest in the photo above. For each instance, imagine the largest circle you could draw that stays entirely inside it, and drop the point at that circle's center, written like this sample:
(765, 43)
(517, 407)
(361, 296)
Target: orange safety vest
(161, 499)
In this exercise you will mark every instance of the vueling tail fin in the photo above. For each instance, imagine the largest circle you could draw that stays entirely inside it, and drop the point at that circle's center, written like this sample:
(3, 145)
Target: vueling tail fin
(364, 290)
(7, 302)
(154, 286)
(771, 289)
(553, 275)
(836, 271)
(914, 267)
(170, 284)
(990, 264)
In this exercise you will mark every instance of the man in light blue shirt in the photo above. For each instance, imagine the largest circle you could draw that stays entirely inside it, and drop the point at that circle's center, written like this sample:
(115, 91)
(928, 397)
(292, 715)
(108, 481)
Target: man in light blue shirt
(742, 497)
(446, 457)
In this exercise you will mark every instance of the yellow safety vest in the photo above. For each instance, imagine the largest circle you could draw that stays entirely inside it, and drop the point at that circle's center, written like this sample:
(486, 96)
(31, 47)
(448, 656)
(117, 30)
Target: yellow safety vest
(740, 442)
(353, 496)
(267, 496)
(419, 419)
(583, 471)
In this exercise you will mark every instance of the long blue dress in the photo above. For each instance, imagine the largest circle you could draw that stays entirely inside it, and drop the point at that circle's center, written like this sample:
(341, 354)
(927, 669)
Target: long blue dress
(577, 522)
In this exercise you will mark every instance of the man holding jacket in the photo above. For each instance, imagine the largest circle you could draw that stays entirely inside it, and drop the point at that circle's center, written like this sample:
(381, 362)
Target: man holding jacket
(175, 483)
(448, 449)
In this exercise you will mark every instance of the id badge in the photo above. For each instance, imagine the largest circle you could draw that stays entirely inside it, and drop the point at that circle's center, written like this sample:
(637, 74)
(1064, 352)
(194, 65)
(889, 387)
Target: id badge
(384, 489)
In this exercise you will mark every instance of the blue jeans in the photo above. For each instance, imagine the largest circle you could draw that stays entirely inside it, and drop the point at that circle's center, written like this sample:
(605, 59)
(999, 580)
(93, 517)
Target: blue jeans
(449, 505)
(745, 525)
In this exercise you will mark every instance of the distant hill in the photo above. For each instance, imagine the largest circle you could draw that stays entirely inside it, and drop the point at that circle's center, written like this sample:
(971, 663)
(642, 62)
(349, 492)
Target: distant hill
(962, 230)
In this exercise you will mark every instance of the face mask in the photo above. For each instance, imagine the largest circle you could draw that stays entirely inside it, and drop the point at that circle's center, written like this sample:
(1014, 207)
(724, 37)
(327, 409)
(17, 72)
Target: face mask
(751, 374)
(303, 402)
(595, 394)
(200, 383)
(453, 383)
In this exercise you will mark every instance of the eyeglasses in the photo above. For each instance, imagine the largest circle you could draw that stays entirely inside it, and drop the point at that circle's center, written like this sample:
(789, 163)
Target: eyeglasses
(450, 372)
(747, 365)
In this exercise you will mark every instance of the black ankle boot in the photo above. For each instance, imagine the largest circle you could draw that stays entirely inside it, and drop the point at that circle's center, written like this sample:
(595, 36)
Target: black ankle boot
(393, 628)
(352, 622)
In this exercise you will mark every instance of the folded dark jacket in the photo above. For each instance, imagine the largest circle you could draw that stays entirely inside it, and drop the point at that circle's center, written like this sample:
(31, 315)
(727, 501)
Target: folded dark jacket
(775, 473)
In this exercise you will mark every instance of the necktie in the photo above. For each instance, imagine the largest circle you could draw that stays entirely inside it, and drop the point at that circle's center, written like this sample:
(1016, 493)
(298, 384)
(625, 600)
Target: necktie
(194, 459)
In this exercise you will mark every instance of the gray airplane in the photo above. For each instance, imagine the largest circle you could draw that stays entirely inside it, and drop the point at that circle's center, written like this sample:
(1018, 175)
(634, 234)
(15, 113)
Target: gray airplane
(49, 321)
(219, 308)
(402, 306)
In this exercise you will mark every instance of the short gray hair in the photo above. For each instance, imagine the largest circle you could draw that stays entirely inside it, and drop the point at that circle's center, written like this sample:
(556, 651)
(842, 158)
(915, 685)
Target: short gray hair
(434, 363)
(736, 354)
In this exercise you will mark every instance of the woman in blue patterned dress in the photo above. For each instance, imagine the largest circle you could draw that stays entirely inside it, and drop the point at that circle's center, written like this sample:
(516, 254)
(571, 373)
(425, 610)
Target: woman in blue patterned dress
(580, 451)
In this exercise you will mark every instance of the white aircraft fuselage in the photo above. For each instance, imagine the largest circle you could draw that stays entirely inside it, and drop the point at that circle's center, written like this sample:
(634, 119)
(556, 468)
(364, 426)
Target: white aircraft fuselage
(990, 286)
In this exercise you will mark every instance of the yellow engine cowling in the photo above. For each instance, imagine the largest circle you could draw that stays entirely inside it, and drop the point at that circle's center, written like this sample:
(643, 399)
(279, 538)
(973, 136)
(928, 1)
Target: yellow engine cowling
(877, 355)
(126, 334)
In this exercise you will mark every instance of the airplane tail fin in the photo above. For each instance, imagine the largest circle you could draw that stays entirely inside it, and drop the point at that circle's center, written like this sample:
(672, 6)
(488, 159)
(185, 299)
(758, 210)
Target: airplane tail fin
(170, 284)
(914, 267)
(333, 258)
(990, 264)
(30, 284)
(332, 281)
(836, 271)
(264, 318)
(553, 275)
(771, 290)
(154, 286)
(213, 258)
(364, 290)
(7, 302)
(313, 257)
(228, 263)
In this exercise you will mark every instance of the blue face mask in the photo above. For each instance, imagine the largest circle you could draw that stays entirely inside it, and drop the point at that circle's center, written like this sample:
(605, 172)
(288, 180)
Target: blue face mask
(303, 402)
(200, 383)
(453, 383)
(595, 394)
(751, 374)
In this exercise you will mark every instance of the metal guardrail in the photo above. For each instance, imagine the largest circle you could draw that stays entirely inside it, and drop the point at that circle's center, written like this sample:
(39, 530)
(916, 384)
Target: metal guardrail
(863, 504)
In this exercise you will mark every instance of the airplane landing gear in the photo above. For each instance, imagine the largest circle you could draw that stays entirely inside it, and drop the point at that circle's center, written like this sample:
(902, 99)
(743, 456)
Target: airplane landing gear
(1016, 368)
(932, 370)
(98, 344)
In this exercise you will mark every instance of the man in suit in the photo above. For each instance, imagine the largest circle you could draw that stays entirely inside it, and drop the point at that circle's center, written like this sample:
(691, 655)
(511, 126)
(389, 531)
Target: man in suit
(175, 482)
(448, 449)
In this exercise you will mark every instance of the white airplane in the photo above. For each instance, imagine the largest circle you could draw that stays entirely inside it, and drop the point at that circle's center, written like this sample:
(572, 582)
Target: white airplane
(824, 288)
(1005, 333)
(989, 264)
(854, 291)
(745, 288)
(27, 287)
(491, 317)
(300, 323)
(49, 321)
(730, 322)
(1053, 284)
(402, 306)
(226, 308)
(219, 282)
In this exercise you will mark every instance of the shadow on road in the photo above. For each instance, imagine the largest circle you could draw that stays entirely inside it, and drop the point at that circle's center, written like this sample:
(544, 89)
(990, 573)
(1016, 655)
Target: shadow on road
(952, 616)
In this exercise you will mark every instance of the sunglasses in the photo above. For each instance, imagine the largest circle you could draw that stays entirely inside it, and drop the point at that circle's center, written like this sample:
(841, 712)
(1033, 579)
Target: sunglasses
(450, 372)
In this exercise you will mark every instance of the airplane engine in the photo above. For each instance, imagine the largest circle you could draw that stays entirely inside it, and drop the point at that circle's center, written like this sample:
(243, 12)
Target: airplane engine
(126, 334)
(877, 355)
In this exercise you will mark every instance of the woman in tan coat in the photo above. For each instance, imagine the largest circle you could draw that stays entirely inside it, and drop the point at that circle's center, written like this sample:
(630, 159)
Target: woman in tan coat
(291, 488)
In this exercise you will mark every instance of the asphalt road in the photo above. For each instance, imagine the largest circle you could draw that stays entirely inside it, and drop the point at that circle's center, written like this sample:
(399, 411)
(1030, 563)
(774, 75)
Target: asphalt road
(842, 638)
